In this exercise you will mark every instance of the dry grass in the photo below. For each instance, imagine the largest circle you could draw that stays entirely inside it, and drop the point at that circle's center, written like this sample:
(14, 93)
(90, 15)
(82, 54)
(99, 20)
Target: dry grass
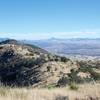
(83, 93)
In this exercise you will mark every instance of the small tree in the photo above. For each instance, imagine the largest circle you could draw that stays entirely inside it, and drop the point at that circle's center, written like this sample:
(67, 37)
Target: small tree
(64, 59)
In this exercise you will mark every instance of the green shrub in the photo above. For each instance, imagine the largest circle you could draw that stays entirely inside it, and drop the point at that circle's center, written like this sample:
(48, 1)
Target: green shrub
(86, 69)
(63, 81)
(73, 77)
(95, 76)
(64, 59)
(48, 68)
(73, 86)
(50, 87)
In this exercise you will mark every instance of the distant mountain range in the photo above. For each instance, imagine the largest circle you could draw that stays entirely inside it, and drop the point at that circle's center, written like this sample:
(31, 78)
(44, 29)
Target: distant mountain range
(3, 39)
(74, 46)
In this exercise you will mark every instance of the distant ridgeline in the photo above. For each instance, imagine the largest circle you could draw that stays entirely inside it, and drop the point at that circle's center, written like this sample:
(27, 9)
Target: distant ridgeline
(74, 46)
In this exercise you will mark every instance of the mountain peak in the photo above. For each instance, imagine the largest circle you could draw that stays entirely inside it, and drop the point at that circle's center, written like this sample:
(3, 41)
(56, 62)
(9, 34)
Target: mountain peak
(9, 41)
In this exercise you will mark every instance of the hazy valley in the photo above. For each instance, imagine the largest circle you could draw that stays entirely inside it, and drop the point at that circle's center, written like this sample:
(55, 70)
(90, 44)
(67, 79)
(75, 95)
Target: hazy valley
(74, 46)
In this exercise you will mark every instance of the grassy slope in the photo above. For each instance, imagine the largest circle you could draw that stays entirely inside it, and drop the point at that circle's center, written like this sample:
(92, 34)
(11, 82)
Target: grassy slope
(85, 91)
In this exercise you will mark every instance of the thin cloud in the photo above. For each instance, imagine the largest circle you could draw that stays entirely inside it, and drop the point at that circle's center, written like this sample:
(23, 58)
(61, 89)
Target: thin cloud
(37, 36)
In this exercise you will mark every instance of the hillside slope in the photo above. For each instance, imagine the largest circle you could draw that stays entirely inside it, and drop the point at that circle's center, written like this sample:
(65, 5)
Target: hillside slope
(25, 65)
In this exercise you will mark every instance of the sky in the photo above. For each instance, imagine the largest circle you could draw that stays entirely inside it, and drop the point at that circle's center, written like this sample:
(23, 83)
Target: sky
(40, 19)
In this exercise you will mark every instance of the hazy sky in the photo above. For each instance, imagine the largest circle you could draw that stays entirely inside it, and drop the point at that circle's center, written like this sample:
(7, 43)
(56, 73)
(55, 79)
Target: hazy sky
(38, 19)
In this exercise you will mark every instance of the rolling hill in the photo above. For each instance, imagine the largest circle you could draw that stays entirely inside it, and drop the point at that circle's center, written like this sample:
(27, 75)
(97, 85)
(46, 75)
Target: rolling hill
(28, 65)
